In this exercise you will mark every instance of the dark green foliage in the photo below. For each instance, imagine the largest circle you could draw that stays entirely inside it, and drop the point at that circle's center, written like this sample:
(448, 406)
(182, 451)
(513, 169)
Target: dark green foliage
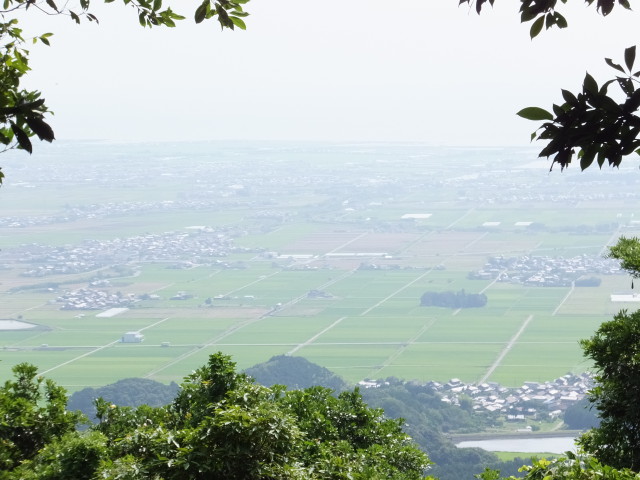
(627, 250)
(130, 392)
(428, 419)
(294, 372)
(571, 467)
(545, 14)
(21, 111)
(581, 416)
(615, 351)
(72, 456)
(222, 425)
(450, 299)
(32, 414)
(591, 122)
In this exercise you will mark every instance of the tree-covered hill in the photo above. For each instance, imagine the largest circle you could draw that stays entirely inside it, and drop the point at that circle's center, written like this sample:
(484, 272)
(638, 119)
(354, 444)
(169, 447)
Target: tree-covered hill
(295, 373)
(130, 392)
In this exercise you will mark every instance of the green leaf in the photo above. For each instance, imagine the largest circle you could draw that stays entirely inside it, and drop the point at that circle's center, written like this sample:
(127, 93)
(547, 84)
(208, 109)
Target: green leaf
(535, 113)
(157, 4)
(74, 16)
(536, 27)
(52, 4)
(238, 22)
(201, 11)
(630, 57)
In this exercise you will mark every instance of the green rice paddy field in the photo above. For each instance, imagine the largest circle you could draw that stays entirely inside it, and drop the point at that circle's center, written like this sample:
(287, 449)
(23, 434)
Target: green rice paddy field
(368, 322)
(369, 325)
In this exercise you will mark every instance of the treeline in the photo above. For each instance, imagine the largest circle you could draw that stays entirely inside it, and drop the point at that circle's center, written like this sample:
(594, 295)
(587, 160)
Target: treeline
(450, 299)
(428, 420)
(220, 425)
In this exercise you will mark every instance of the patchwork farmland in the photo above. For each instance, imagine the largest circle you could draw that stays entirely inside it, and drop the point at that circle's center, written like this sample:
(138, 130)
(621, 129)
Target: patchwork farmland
(335, 276)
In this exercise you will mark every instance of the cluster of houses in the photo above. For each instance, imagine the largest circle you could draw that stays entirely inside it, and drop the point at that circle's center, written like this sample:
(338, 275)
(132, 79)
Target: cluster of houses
(545, 271)
(530, 400)
(92, 299)
(199, 245)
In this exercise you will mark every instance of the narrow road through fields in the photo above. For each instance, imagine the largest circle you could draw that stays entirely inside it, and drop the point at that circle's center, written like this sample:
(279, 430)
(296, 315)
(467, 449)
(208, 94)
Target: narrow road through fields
(566, 297)
(340, 247)
(312, 339)
(505, 350)
(405, 286)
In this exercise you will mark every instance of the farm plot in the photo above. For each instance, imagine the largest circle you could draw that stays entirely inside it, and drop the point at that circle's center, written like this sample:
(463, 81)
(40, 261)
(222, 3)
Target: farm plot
(558, 330)
(288, 331)
(539, 362)
(320, 243)
(467, 361)
(365, 330)
(113, 363)
(469, 327)
(351, 361)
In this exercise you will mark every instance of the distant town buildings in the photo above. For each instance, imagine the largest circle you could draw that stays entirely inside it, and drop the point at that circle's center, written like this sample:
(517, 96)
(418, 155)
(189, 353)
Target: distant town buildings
(529, 400)
(545, 271)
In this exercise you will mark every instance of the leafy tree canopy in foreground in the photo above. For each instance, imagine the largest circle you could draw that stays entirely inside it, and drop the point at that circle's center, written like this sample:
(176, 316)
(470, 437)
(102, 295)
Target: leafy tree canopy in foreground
(590, 124)
(221, 425)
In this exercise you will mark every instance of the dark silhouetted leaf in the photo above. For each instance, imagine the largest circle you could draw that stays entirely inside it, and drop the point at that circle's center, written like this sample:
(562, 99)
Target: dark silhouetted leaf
(569, 97)
(535, 113)
(22, 138)
(606, 6)
(536, 27)
(614, 65)
(586, 158)
(561, 21)
(589, 84)
(40, 128)
(630, 57)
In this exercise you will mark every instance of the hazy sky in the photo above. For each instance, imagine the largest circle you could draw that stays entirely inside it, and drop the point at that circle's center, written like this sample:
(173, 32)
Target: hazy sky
(355, 70)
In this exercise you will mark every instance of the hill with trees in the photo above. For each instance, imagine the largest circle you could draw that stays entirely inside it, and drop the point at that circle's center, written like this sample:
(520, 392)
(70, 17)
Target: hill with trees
(295, 373)
(130, 392)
